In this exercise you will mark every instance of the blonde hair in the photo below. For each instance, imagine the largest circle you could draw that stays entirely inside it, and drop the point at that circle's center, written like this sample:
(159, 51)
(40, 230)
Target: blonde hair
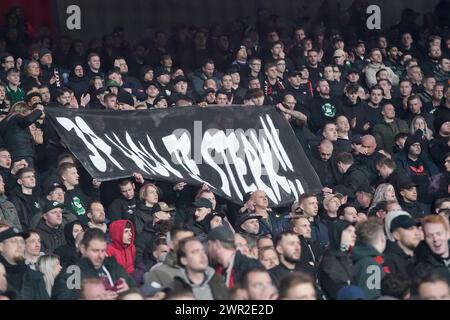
(46, 264)
(380, 194)
(143, 190)
(427, 133)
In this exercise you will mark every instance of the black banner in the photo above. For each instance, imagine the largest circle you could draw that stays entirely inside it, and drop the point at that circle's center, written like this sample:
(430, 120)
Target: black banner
(232, 149)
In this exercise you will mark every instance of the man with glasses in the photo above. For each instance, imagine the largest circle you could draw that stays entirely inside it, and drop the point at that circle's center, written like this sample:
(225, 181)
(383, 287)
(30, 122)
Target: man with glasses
(25, 283)
(7, 62)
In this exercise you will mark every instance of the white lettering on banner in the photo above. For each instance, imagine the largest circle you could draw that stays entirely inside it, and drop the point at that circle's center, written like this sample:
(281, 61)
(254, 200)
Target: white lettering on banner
(81, 128)
(240, 158)
(182, 145)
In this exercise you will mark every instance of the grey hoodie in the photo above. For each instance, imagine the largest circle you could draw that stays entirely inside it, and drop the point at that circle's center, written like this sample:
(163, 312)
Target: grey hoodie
(202, 291)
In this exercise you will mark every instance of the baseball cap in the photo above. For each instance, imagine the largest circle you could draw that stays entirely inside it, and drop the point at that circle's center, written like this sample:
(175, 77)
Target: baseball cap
(356, 139)
(11, 233)
(222, 234)
(293, 73)
(160, 71)
(179, 79)
(351, 293)
(51, 187)
(406, 184)
(331, 196)
(43, 52)
(152, 83)
(50, 205)
(202, 203)
(365, 188)
(402, 221)
(246, 216)
(165, 207)
(339, 53)
(112, 83)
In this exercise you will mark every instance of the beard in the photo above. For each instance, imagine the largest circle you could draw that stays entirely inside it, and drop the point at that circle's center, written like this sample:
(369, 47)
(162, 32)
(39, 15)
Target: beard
(19, 259)
(290, 259)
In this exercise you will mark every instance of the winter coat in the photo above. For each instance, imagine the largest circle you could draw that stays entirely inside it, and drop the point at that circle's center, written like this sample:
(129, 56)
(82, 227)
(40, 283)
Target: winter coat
(397, 260)
(77, 202)
(144, 244)
(51, 238)
(355, 177)
(336, 268)
(428, 262)
(122, 208)
(124, 254)
(8, 213)
(369, 269)
(278, 223)
(26, 284)
(17, 135)
(62, 292)
(24, 211)
(68, 253)
(142, 217)
(385, 133)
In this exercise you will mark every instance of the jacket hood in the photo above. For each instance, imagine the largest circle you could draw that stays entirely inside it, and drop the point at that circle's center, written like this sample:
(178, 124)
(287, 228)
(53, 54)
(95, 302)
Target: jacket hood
(335, 231)
(68, 232)
(116, 231)
(209, 272)
(362, 251)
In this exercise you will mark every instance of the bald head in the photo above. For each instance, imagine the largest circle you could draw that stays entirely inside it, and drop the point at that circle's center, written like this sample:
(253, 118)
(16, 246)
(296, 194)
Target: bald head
(326, 149)
(369, 144)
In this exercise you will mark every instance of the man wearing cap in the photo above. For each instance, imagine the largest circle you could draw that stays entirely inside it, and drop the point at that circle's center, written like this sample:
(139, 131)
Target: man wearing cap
(399, 253)
(226, 259)
(407, 190)
(115, 80)
(340, 61)
(180, 90)
(359, 51)
(331, 204)
(417, 165)
(50, 228)
(130, 84)
(302, 94)
(47, 67)
(27, 284)
(248, 224)
(162, 77)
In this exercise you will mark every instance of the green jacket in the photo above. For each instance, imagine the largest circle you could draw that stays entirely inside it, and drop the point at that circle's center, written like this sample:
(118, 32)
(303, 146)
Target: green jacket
(385, 133)
(369, 269)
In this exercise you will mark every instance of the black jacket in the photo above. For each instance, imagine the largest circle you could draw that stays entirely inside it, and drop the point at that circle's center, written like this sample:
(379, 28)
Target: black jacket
(142, 217)
(77, 202)
(68, 253)
(51, 238)
(144, 244)
(416, 209)
(336, 267)
(62, 292)
(279, 271)
(17, 136)
(25, 210)
(27, 284)
(428, 262)
(122, 209)
(355, 177)
(397, 260)
(241, 265)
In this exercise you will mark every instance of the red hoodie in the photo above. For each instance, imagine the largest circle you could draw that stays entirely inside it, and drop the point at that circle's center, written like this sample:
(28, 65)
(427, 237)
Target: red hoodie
(124, 254)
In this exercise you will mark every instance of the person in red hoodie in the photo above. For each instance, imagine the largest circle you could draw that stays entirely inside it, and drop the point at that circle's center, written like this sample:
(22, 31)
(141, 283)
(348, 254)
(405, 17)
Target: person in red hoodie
(122, 245)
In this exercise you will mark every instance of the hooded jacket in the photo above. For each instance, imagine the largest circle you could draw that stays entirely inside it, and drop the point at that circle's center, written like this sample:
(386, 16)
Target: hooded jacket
(336, 268)
(142, 217)
(25, 211)
(8, 213)
(165, 272)
(68, 253)
(369, 265)
(124, 254)
(212, 287)
(51, 238)
(355, 177)
(397, 260)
